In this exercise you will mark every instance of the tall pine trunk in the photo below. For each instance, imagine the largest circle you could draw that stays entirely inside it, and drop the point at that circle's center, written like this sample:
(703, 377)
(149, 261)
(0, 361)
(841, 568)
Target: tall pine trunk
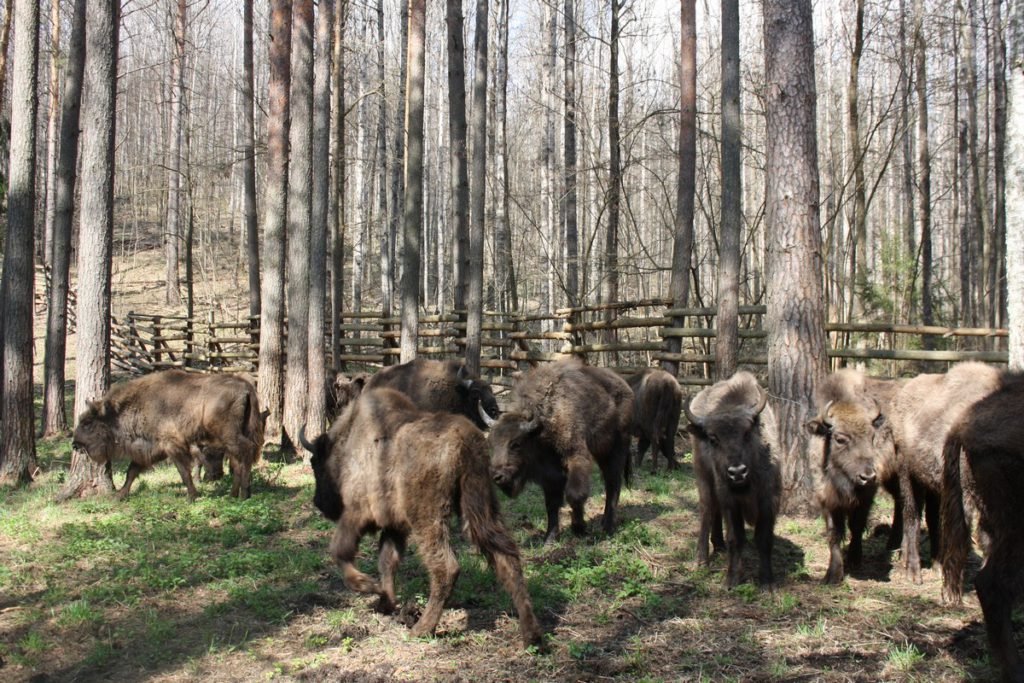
(413, 220)
(252, 231)
(924, 163)
(52, 121)
(172, 228)
(572, 249)
(727, 342)
(458, 167)
(611, 240)
(1015, 184)
(336, 221)
(475, 299)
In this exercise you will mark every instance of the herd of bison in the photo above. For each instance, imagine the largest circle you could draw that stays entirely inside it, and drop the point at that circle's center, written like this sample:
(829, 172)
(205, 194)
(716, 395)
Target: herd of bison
(416, 443)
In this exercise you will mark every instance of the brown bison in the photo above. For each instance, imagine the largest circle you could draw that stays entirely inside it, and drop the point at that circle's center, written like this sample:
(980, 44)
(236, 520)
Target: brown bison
(858, 456)
(385, 465)
(733, 434)
(656, 405)
(177, 415)
(432, 385)
(924, 410)
(564, 417)
(984, 464)
(340, 390)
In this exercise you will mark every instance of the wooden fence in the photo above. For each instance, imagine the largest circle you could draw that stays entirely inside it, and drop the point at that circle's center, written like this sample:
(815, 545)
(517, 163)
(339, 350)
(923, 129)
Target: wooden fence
(626, 336)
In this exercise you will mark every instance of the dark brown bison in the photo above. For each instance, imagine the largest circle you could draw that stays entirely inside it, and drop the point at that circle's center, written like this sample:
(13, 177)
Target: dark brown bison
(858, 456)
(564, 417)
(733, 434)
(385, 465)
(177, 415)
(924, 410)
(340, 390)
(656, 405)
(984, 465)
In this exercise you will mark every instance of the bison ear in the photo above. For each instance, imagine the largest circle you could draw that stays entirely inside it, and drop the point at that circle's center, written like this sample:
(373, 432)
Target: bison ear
(101, 407)
(358, 384)
(816, 426)
(879, 421)
(696, 430)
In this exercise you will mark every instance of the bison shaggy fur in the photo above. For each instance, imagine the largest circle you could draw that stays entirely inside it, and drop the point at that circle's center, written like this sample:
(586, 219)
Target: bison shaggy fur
(565, 416)
(179, 416)
(385, 465)
(984, 465)
(656, 405)
(733, 434)
(924, 411)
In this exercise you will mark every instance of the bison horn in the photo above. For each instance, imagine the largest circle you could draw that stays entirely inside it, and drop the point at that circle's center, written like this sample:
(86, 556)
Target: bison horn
(488, 420)
(694, 420)
(826, 416)
(305, 443)
(463, 377)
(762, 400)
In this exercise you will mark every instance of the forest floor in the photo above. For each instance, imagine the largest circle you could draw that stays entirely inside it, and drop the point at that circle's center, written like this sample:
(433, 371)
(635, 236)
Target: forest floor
(155, 588)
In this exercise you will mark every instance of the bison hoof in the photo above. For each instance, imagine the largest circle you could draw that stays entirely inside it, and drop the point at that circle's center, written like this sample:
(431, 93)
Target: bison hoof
(833, 577)
(579, 529)
(385, 605)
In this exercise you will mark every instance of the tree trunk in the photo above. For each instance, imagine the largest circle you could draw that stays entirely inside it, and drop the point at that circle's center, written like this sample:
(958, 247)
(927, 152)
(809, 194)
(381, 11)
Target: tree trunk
(297, 380)
(337, 207)
(51, 133)
(172, 231)
(572, 283)
(475, 301)
(611, 241)
(997, 262)
(727, 342)
(387, 249)
(907, 169)
(458, 165)
(924, 163)
(1015, 184)
(413, 222)
(398, 163)
(96, 229)
(252, 231)
(17, 448)
(858, 219)
(271, 369)
(54, 417)
(5, 37)
(682, 245)
(316, 410)
(797, 357)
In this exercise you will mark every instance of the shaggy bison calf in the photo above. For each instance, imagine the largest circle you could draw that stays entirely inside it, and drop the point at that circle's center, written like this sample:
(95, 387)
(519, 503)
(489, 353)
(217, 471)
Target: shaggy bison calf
(857, 457)
(656, 405)
(176, 415)
(384, 465)
(924, 411)
(984, 463)
(564, 417)
(733, 434)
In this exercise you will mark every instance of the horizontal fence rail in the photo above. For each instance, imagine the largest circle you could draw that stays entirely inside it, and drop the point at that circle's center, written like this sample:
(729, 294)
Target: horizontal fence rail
(623, 335)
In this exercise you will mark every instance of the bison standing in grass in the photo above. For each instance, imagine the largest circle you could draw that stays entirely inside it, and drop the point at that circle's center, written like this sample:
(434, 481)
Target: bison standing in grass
(564, 417)
(656, 405)
(385, 465)
(924, 410)
(176, 415)
(858, 456)
(984, 464)
(733, 434)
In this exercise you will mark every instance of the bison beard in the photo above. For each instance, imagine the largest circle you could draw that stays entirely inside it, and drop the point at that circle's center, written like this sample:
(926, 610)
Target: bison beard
(984, 465)
(565, 417)
(384, 465)
(183, 416)
(732, 432)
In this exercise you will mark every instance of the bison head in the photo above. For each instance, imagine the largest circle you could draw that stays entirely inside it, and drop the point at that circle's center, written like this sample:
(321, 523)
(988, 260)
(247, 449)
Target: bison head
(94, 433)
(513, 439)
(326, 496)
(477, 392)
(730, 436)
(856, 439)
(342, 391)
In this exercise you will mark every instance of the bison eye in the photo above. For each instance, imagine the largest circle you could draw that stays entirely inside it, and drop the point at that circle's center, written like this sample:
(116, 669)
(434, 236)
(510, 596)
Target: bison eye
(713, 440)
(841, 439)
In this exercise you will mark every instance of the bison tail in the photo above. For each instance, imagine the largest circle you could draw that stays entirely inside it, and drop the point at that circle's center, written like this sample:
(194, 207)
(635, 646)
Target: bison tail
(254, 422)
(956, 533)
(481, 519)
(627, 470)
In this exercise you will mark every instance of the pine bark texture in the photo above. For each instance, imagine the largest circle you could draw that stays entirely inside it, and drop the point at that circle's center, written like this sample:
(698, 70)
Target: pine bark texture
(413, 213)
(172, 229)
(96, 228)
(572, 249)
(54, 417)
(17, 447)
(1015, 184)
(475, 299)
(300, 130)
(252, 230)
(52, 132)
(795, 321)
(336, 221)
(727, 341)
(458, 165)
(924, 163)
(270, 383)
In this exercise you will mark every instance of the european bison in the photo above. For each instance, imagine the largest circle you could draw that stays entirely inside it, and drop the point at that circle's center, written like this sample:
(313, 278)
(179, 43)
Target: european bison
(340, 390)
(988, 443)
(733, 434)
(177, 415)
(564, 417)
(656, 405)
(857, 456)
(385, 465)
(924, 410)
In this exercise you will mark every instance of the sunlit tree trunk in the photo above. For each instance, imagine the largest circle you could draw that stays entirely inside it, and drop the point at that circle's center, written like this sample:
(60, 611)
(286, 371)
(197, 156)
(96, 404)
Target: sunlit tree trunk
(727, 342)
(252, 231)
(1015, 183)
(924, 163)
(336, 222)
(96, 230)
(413, 221)
(458, 164)
(172, 228)
(572, 248)
(997, 260)
(475, 298)
(52, 132)
(858, 217)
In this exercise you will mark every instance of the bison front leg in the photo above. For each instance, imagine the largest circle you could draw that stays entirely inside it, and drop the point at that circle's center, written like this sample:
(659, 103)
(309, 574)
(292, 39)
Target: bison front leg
(835, 529)
(184, 466)
(436, 553)
(612, 472)
(554, 496)
(392, 545)
(911, 529)
(343, 547)
(668, 449)
(642, 444)
(764, 539)
(858, 523)
(577, 490)
(735, 538)
(133, 471)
